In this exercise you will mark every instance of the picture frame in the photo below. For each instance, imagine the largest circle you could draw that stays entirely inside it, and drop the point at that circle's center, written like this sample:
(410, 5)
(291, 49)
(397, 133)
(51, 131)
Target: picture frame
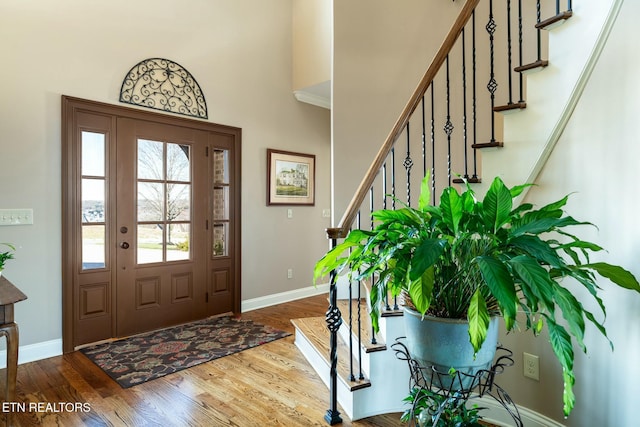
(291, 178)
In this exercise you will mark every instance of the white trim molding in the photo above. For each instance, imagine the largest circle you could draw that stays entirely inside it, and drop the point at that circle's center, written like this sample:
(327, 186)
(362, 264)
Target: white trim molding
(496, 414)
(33, 352)
(313, 99)
(274, 299)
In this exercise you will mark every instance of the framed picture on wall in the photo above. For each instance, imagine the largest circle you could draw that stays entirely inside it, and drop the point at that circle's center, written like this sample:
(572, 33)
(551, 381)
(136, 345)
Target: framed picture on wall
(291, 178)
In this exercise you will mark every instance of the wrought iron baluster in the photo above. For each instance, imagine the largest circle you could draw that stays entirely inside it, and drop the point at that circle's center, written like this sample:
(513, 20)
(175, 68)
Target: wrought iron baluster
(393, 177)
(539, 32)
(492, 86)
(359, 304)
(334, 320)
(384, 189)
(509, 53)
(408, 164)
(464, 106)
(351, 376)
(448, 127)
(474, 94)
(424, 140)
(433, 145)
(520, 44)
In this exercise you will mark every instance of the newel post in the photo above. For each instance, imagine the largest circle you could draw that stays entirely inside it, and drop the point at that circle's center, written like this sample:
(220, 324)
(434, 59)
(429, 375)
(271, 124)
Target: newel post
(334, 320)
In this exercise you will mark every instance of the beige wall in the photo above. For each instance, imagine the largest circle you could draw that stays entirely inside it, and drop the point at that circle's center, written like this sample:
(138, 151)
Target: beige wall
(312, 37)
(240, 54)
(597, 159)
(381, 51)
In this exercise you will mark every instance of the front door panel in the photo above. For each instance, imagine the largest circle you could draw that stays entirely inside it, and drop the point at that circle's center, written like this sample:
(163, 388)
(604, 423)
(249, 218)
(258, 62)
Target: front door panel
(161, 223)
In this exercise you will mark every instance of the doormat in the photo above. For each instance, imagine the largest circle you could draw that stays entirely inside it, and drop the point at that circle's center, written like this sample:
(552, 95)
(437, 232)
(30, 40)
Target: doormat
(152, 355)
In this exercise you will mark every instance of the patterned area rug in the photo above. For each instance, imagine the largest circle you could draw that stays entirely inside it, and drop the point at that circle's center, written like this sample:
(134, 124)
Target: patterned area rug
(145, 357)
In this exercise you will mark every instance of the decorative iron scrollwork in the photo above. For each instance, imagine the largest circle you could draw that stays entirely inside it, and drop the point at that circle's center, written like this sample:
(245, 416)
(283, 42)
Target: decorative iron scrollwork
(333, 318)
(165, 85)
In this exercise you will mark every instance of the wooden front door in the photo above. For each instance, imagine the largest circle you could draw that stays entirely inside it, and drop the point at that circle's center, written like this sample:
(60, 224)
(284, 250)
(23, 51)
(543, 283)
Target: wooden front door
(151, 230)
(161, 215)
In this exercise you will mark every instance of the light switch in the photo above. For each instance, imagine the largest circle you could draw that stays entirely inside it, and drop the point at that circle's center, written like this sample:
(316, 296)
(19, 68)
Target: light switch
(16, 216)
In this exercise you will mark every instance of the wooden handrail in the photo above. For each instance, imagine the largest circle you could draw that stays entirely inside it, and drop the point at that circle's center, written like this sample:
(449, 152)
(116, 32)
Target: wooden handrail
(349, 216)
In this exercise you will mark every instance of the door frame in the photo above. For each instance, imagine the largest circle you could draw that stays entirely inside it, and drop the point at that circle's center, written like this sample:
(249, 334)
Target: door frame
(71, 107)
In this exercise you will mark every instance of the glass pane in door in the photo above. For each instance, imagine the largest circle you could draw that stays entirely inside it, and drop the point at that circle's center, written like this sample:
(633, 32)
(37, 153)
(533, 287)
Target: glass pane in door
(178, 235)
(220, 202)
(178, 163)
(150, 243)
(150, 159)
(93, 202)
(151, 201)
(163, 202)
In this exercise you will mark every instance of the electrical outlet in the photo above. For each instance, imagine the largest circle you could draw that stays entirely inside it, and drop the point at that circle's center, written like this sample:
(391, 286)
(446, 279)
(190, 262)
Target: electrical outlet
(531, 366)
(289, 213)
(290, 273)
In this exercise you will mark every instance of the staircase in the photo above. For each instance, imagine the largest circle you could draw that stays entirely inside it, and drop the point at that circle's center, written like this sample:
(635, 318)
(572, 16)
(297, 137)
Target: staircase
(369, 379)
(358, 396)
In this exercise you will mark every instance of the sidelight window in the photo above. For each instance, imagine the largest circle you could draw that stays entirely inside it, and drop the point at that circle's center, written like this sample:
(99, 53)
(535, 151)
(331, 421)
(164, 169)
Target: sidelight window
(93, 200)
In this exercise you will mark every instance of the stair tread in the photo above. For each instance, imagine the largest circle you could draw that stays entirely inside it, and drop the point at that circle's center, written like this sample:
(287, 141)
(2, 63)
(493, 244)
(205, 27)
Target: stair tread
(513, 106)
(316, 331)
(366, 331)
(550, 22)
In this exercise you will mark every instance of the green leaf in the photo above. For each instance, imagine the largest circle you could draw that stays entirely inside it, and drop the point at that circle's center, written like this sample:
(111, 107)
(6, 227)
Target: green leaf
(425, 192)
(497, 204)
(556, 205)
(572, 311)
(518, 189)
(500, 283)
(616, 274)
(421, 290)
(598, 325)
(425, 255)
(331, 260)
(537, 249)
(479, 319)
(451, 207)
(561, 345)
(403, 216)
(536, 280)
(543, 225)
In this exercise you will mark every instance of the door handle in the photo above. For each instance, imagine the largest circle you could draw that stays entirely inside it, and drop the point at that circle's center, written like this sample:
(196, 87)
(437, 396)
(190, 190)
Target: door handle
(124, 245)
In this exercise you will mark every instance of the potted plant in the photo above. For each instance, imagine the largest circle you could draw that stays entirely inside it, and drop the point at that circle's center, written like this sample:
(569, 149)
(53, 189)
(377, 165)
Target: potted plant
(6, 255)
(432, 409)
(473, 259)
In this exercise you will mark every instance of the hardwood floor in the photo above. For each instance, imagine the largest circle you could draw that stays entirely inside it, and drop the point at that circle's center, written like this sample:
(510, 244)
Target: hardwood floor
(270, 385)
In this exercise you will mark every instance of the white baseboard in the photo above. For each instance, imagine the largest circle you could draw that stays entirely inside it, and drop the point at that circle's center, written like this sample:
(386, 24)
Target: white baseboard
(274, 299)
(496, 414)
(33, 352)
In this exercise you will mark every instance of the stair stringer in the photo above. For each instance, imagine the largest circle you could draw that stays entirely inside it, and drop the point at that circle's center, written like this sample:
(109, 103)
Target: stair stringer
(552, 95)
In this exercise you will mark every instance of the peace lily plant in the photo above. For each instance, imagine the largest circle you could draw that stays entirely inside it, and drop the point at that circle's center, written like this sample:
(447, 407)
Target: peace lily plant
(467, 258)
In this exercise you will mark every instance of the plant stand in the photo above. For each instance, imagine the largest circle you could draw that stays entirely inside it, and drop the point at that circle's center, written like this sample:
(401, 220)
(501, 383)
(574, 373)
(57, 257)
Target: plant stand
(481, 384)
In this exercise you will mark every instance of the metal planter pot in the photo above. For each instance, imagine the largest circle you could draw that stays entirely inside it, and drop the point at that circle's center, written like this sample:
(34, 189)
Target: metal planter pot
(444, 344)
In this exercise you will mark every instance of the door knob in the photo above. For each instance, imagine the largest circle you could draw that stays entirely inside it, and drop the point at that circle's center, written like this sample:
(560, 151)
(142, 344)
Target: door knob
(124, 245)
